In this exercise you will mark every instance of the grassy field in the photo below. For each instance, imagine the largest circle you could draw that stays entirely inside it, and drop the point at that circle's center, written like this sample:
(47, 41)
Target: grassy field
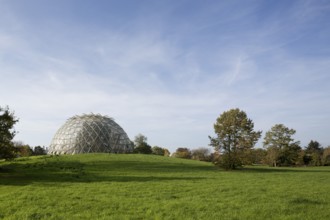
(108, 186)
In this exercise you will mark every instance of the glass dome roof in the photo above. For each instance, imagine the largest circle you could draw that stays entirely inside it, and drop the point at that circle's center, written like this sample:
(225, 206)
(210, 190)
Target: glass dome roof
(90, 133)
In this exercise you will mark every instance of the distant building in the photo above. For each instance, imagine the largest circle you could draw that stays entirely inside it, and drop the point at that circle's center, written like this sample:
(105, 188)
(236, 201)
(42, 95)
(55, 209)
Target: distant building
(90, 133)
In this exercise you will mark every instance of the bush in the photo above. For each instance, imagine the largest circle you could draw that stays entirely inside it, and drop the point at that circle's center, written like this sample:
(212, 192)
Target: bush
(202, 154)
(182, 153)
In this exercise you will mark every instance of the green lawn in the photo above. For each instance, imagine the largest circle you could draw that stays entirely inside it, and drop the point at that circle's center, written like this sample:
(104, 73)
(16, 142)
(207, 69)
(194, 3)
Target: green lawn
(110, 186)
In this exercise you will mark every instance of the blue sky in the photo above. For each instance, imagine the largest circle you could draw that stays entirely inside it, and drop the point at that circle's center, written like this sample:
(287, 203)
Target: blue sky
(166, 69)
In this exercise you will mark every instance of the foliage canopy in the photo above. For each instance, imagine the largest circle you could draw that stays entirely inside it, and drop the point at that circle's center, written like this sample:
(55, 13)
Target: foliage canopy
(235, 134)
(7, 133)
(281, 147)
(141, 146)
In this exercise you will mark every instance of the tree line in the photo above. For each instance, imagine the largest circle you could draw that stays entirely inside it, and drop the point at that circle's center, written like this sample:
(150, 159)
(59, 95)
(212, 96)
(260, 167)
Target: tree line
(312, 155)
(141, 146)
(233, 144)
(8, 148)
(235, 140)
(279, 149)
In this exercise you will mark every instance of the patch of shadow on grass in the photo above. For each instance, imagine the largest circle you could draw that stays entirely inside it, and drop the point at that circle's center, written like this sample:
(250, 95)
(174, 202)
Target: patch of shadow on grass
(5, 170)
(304, 201)
(159, 167)
(140, 178)
(36, 216)
(53, 178)
(258, 169)
(51, 172)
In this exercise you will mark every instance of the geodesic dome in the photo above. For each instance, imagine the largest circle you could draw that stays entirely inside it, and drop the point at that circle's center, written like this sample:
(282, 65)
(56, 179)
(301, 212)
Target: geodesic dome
(90, 133)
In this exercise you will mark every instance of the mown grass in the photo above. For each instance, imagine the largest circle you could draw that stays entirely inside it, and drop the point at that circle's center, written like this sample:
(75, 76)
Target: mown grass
(109, 186)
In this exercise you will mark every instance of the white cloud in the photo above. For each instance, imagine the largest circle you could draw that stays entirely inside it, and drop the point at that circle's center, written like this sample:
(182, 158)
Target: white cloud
(169, 82)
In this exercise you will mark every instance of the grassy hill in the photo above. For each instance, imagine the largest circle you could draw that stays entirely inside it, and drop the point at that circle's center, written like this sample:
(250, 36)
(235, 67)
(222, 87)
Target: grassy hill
(115, 186)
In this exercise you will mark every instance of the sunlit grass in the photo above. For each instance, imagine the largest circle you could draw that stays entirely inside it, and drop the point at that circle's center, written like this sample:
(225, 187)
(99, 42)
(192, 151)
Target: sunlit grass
(114, 186)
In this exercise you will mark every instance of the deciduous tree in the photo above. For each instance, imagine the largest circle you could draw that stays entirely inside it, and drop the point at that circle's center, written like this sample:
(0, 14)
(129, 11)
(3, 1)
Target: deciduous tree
(234, 136)
(7, 133)
(158, 150)
(140, 145)
(326, 156)
(39, 151)
(167, 153)
(313, 153)
(182, 152)
(202, 154)
(281, 147)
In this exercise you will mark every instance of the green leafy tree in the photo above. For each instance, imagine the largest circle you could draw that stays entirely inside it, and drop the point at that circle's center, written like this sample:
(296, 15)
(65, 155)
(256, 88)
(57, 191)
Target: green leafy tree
(313, 154)
(202, 154)
(7, 133)
(140, 139)
(182, 152)
(258, 156)
(281, 147)
(235, 136)
(39, 151)
(326, 157)
(313, 146)
(24, 151)
(158, 150)
(167, 153)
(21, 149)
(141, 146)
(290, 154)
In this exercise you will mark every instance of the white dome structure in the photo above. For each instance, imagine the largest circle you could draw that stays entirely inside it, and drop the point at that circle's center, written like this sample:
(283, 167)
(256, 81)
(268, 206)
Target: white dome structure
(90, 133)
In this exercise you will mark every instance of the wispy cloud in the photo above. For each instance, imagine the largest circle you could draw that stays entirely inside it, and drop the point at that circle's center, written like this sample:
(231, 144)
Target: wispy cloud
(170, 73)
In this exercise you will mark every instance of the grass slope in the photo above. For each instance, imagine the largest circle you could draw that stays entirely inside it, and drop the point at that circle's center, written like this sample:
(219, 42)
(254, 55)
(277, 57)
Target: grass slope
(108, 186)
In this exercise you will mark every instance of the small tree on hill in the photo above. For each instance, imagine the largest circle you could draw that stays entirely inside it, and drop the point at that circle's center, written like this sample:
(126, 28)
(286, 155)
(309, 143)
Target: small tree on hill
(7, 133)
(22, 150)
(202, 154)
(39, 151)
(140, 139)
(158, 150)
(140, 145)
(182, 152)
(167, 153)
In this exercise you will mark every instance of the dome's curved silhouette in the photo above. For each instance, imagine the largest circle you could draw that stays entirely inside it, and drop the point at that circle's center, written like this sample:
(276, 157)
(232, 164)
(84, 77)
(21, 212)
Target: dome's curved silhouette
(90, 133)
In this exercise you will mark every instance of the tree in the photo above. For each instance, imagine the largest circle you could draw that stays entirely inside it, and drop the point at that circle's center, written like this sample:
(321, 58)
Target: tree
(290, 155)
(313, 146)
(281, 147)
(140, 139)
(143, 148)
(39, 151)
(182, 152)
(140, 145)
(313, 153)
(22, 150)
(326, 156)
(235, 135)
(258, 156)
(158, 150)
(167, 153)
(202, 154)
(7, 133)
